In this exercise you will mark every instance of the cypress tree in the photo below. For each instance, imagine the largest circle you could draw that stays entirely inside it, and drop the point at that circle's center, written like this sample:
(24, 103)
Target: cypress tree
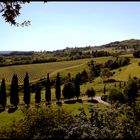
(77, 85)
(3, 99)
(26, 97)
(104, 89)
(14, 97)
(120, 85)
(48, 89)
(37, 94)
(58, 87)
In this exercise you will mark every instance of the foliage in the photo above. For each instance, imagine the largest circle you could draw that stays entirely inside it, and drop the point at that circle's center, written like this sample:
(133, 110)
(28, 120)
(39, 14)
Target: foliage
(115, 95)
(90, 93)
(14, 97)
(37, 93)
(109, 81)
(104, 97)
(83, 76)
(68, 90)
(131, 91)
(77, 85)
(26, 90)
(58, 87)
(117, 63)
(48, 89)
(120, 122)
(3, 98)
(11, 10)
(136, 54)
(105, 73)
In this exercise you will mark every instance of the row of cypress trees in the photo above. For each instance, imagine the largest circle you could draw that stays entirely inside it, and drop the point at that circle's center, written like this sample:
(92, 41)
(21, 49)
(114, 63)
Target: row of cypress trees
(68, 90)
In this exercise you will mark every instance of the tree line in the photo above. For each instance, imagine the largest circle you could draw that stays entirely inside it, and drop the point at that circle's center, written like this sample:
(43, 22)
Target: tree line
(71, 89)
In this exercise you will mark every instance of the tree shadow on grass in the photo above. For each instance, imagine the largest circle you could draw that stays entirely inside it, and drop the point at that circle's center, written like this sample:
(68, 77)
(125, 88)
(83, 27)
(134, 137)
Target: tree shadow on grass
(79, 101)
(93, 101)
(12, 109)
(70, 102)
(59, 103)
(2, 109)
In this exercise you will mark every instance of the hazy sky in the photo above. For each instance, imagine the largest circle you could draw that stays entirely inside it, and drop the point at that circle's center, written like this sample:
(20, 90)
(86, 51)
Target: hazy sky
(57, 25)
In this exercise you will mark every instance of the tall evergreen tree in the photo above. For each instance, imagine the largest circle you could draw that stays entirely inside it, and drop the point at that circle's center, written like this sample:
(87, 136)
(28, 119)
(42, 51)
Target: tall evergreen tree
(14, 97)
(3, 99)
(104, 89)
(26, 97)
(58, 87)
(120, 85)
(37, 94)
(48, 89)
(77, 85)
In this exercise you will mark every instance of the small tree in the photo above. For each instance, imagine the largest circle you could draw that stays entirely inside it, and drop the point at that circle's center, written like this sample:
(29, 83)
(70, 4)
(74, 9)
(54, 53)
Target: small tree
(77, 85)
(115, 95)
(26, 97)
(68, 90)
(3, 94)
(37, 93)
(58, 87)
(14, 97)
(105, 73)
(48, 89)
(90, 93)
(104, 89)
(131, 91)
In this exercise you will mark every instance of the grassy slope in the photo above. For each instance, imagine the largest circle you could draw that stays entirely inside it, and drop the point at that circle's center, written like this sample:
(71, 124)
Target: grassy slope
(133, 69)
(37, 71)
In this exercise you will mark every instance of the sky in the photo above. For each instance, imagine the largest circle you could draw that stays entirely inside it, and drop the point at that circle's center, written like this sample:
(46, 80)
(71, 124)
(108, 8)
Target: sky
(57, 25)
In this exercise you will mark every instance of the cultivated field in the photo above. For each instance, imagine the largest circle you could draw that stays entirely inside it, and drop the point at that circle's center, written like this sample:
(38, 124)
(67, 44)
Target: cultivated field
(38, 71)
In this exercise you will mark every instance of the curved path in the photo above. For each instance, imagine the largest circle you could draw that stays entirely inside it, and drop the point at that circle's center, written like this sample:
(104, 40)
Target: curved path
(98, 98)
(59, 70)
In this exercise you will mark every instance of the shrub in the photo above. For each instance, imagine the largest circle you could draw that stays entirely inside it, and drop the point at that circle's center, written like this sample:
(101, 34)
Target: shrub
(104, 97)
(109, 80)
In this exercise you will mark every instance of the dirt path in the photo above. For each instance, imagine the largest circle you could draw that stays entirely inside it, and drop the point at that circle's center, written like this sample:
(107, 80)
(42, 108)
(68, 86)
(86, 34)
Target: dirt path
(59, 70)
(98, 98)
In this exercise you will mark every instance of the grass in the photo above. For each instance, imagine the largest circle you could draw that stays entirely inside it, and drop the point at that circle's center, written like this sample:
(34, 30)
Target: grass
(7, 119)
(38, 71)
(132, 69)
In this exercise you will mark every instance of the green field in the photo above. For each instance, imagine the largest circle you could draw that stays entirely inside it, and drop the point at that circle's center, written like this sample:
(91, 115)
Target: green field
(38, 71)
(8, 119)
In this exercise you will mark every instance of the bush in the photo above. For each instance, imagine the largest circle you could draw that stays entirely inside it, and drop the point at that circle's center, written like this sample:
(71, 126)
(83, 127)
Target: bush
(116, 95)
(109, 80)
(104, 97)
(70, 102)
(93, 101)
(79, 101)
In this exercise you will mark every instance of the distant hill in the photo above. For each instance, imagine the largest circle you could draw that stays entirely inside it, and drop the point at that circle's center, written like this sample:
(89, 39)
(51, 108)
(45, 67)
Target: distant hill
(5, 52)
(125, 44)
